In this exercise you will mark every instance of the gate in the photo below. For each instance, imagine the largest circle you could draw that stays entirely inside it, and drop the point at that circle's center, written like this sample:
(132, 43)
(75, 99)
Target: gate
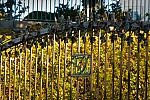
(97, 50)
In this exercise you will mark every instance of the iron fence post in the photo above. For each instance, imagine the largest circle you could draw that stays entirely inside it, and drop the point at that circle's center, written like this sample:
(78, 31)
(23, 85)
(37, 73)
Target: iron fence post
(20, 65)
(138, 65)
(129, 67)
(37, 16)
(35, 69)
(47, 65)
(15, 73)
(65, 63)
(25, 65)
(91, 77)
(53, 65)
(33, 9)
(146, 65)
(105, 68)
(5, 60)
(41, 73)
(59, 58)
(85, 77)
(140, 9)
(136, 7)
(9, 75)
(148, 9)
(113, 67)
(30, 73)
(144, 9)
(121, 62)
(42, 9)
(77, 81)
(99, 62)
(50, 10)
(71, 71)
(28, 6)
(1, 74)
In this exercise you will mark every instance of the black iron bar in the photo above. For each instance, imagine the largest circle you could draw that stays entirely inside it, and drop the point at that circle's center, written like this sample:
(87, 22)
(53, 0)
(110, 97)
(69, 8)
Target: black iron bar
(98, 67)
(124, 5)
(132, 7)
(121, 62)
(108, 4)
(58, 8)
(47, 65)
(5, 60)
(29, 6)
(91, 77)
(68, 2)
(19, 11)
(84, 41)
(144, 9)
(59, 61)
(90, 5)
(71, 70)
(9, 75)
(146, 66)
(41, 73)
(35, 69)
(53, 62)
(37, 17)
(129, 67)
(141, 9)
(54, 8)
(25, 69)
(1, 58)
(85, 5)
(77, 81)
(113, 67)
(46, 9)
(138, 65)
(128, 4)
(136, 8)
(50, 10)
(15, 74)
(30, 75)
(149, 9)
(20, 65)
(33, 9)
(24, 7)
(65, 62)
(15, 5)
(42, 9)
(105, 68)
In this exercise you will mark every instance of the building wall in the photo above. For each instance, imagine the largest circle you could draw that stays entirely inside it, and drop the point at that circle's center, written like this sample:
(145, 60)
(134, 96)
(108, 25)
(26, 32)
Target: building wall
(140, 6)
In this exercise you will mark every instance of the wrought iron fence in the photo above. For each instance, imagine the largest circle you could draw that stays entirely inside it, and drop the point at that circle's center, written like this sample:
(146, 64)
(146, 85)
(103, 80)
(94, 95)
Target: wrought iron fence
(47, 9)
(96, 56)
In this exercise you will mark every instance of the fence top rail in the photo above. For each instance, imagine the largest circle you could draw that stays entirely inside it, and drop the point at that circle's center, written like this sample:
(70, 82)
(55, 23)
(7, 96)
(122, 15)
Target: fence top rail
(59, 28)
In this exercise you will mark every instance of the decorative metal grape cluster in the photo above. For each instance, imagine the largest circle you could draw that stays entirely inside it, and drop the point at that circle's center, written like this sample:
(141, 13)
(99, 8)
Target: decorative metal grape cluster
(68, 29)
(102, 19)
